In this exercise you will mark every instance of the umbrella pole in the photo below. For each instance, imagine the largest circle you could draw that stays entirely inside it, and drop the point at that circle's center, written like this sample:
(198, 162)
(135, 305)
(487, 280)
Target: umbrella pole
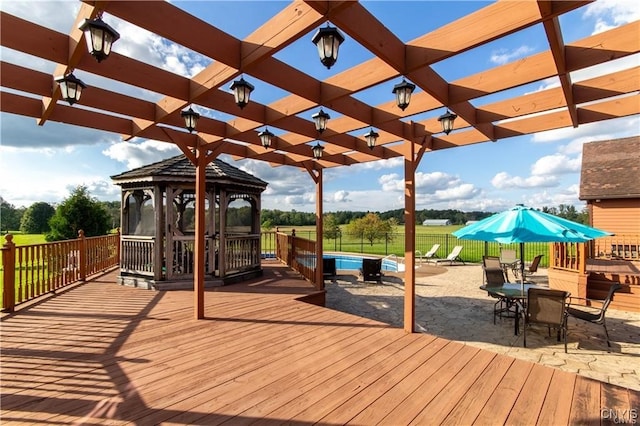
(522, 265)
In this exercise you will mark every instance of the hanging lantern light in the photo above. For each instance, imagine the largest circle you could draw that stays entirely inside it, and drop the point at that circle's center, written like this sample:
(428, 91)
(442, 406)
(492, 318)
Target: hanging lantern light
(70, 87)
(99, 36)
(265, 137)
(317, 151)
(328, 41)
(190, 119)
(242, 91)
(320, 119)
(403, 93)
(447, 120)
(371, 137)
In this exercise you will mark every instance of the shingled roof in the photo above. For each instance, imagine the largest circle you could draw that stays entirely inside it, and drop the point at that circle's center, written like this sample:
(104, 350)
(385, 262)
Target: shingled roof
(180, 169)
(611, 169)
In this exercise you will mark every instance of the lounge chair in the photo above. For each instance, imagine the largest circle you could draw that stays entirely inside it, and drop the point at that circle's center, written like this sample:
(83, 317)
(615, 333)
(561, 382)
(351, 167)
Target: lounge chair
(546, 307)
(454, 256)
(533, 268)
(371, 270)
(328, 268)
(431, 254)
(594, 315)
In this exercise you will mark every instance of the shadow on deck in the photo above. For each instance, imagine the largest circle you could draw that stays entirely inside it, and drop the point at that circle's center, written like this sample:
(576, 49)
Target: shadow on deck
(103, 353)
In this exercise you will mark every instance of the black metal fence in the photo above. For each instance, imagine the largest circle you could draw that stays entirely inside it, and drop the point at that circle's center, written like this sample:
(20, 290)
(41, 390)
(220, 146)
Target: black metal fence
(393, 243)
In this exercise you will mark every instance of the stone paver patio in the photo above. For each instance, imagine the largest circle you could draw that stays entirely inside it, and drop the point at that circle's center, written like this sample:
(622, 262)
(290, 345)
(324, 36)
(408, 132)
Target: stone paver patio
(450, 304)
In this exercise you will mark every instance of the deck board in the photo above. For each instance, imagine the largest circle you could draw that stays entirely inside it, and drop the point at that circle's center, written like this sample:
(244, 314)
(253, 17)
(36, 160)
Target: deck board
(102, 353)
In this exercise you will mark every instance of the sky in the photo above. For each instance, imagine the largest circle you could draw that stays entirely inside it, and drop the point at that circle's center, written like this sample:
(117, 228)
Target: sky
(45, 163)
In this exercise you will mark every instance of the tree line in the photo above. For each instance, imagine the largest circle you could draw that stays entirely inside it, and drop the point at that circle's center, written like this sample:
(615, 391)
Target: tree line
(81, 211)
(63, 221)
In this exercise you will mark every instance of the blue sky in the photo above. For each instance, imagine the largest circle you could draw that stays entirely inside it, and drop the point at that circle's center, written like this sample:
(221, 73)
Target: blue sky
(45, 163)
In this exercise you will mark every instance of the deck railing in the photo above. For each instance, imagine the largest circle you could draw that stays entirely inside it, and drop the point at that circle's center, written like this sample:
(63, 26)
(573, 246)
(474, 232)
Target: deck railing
(33, 270)
(298, 253)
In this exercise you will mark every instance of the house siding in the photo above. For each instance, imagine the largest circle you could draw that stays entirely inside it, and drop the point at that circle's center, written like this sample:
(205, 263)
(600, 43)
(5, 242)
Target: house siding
(621, 216)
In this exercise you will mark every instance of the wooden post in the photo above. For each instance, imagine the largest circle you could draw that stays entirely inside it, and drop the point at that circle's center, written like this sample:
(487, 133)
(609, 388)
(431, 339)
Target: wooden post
(319, 227)
(118, 245)
(198, 273)
(9, 281)
(82, 254)
(409, 237)
(158, 243)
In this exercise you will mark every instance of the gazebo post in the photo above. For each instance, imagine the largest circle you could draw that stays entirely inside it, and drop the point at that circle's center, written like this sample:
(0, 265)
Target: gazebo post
(158, 246)
(201, 191)
(409, 236)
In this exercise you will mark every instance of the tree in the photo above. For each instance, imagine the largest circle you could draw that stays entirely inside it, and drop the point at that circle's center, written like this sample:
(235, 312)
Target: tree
(372, 228)
(79, 211)
(331, 230)
(35, 219)
(9, 216)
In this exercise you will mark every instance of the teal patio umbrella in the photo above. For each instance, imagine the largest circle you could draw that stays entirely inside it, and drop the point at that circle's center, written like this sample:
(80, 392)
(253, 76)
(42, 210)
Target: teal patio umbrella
(522, 224)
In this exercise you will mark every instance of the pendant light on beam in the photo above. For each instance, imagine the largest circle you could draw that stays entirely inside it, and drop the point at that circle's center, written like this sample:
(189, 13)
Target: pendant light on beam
(371, 137)
(99, 36)
(190, 119)
(70, 87)
(403, 93)
(266, 137)
(242, 92)
(447, 120)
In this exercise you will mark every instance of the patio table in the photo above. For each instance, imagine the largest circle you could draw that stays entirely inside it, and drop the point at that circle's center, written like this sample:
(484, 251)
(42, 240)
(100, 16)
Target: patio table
(515, 293)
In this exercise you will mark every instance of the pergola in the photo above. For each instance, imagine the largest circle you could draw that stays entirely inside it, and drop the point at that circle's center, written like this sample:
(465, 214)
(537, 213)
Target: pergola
(402, 133)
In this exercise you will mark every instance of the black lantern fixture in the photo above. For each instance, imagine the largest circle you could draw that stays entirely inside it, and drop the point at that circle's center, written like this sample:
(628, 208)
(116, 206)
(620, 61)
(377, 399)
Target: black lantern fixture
(447, 120)
(242, 91)
(70, 87)
(328, 41)
(99, 36)
(190, 119)
(403, 93)
(371, 137)
(317, 151)
(320, 119)
(265, 137)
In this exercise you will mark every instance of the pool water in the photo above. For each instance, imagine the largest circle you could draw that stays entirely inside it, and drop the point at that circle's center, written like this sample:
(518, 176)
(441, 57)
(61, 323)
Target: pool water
(349, 262)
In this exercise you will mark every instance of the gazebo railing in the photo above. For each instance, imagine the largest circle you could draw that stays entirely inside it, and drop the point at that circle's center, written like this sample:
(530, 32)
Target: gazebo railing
(242, 252)
(137, 255)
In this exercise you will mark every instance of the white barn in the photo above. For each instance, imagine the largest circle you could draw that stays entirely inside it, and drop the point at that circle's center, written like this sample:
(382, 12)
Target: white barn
(436, 222)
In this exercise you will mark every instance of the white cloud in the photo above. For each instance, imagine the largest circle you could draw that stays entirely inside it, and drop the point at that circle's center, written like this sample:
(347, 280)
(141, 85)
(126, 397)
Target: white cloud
(341, 197)
(503, 56)
(567, 196)
(503, 180)
(601, 130)
(612, 13)
(139, 154)
(555, 164)
(464, 191)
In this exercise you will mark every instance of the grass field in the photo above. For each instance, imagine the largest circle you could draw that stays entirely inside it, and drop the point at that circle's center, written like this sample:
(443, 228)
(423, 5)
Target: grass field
(20, 239)
(426, 237)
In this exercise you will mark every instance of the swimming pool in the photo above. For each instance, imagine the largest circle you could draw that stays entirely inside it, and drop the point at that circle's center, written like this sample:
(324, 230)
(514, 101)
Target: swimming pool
(354, 262)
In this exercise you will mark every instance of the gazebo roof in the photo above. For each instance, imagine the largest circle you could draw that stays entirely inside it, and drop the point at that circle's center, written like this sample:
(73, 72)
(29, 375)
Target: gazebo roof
(181, 169)
(611, 169)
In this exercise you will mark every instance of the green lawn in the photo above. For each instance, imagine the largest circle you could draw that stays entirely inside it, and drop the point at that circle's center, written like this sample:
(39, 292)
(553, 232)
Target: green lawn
(26, 239)
(426, 237)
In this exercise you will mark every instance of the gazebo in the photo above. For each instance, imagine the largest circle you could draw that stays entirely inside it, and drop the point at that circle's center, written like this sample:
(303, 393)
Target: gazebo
(158, 224)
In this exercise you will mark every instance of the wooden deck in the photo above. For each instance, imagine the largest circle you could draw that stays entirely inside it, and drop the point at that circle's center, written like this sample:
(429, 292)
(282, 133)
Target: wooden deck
(105, 354)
